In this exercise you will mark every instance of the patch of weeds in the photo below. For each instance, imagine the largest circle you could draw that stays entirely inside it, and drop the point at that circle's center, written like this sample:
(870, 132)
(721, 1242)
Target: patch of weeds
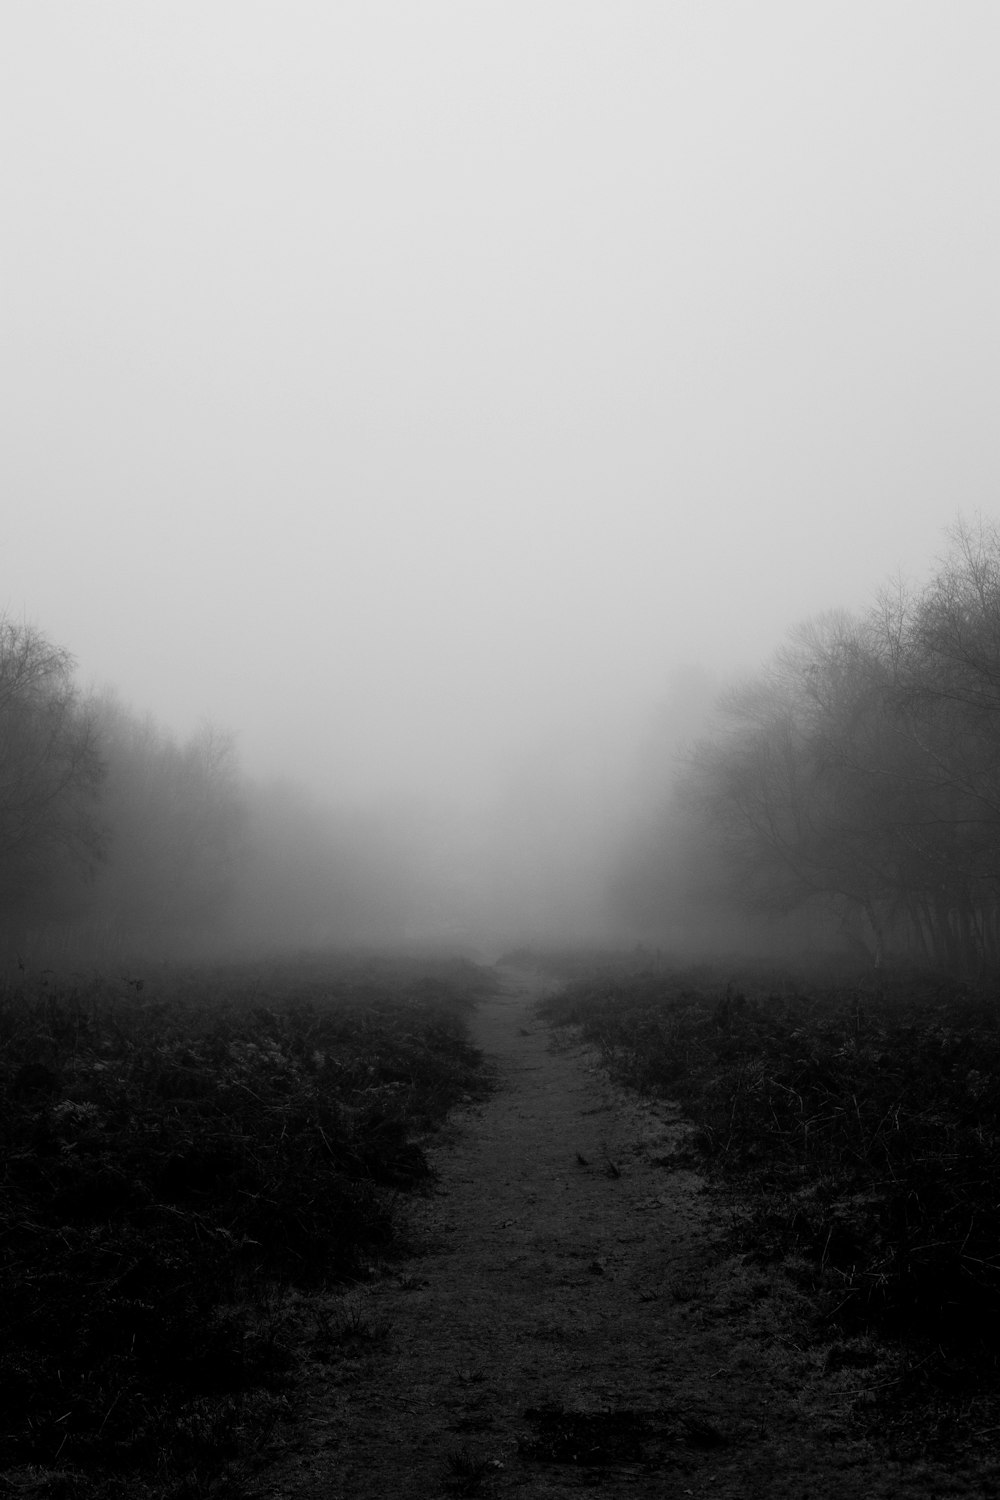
(343, 1331)
(467, 1471)
(598, 1439)
(689, 1286)
(351, 1326)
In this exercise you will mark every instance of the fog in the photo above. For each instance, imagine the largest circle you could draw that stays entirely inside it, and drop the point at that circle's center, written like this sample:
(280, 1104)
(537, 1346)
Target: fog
(420, 393)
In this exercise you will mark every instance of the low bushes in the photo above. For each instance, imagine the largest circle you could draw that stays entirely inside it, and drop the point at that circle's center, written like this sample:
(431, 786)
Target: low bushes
(862, 1130)
(171, 1151)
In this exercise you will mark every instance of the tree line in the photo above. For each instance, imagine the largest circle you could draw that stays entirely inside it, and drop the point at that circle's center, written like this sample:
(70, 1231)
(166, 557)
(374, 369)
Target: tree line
(116, 838)
(846, 796)
(851, 790)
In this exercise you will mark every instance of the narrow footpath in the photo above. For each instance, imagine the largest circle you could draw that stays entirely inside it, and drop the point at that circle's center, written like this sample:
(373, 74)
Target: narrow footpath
(571, 1320)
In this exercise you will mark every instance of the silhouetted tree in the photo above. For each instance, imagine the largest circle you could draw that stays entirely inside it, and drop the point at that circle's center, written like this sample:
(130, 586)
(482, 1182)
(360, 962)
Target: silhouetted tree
(50, 774)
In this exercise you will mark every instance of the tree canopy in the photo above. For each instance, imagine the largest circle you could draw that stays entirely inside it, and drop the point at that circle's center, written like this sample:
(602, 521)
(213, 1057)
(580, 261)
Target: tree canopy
(858, 775)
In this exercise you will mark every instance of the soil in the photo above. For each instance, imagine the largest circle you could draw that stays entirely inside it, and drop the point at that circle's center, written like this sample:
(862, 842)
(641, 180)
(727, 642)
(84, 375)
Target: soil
(570, 1316)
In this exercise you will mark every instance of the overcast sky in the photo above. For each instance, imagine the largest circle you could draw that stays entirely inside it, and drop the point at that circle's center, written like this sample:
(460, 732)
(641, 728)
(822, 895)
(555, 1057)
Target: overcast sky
(403, 383)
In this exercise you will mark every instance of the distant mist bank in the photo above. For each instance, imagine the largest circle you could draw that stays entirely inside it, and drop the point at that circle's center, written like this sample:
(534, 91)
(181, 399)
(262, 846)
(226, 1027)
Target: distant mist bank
(846, 800)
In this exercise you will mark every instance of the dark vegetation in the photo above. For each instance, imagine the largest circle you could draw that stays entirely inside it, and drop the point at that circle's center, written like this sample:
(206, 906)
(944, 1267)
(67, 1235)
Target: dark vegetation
(178, 1154)
(858, 1128)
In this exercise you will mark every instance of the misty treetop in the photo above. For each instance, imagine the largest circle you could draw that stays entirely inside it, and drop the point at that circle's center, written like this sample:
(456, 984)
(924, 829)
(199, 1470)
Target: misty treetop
(856, 780)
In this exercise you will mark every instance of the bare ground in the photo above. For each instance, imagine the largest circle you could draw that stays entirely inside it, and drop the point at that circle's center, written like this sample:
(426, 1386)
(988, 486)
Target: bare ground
(572, 1319)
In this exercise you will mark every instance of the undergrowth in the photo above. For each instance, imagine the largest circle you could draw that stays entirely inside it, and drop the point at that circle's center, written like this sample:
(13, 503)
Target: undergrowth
(173, 1151)
(860, 1131)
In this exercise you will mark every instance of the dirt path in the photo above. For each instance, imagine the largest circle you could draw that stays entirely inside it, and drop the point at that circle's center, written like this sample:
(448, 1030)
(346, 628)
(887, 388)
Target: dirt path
(571, 1320)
